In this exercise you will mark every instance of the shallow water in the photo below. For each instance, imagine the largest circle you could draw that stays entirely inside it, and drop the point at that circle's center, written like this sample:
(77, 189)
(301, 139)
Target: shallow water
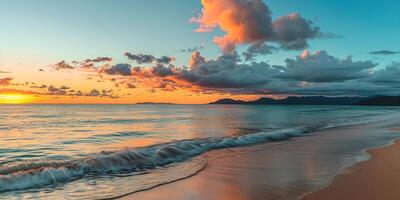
(104, 151)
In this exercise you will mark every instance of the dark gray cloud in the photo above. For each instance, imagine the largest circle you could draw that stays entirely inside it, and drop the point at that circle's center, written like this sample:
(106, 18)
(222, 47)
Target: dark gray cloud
(56, 91)
(64, 87)
(163, 71)
(292, 31)
(106, 93)
(165, 59)
(99, 59)
(140, 58)
(63, 65)
(92, 64)
(123, 69)
(322, 67)
(66, 91)
(94, 93)
(147, 58)
(388, 75)
(347, 88)
(384, 52)
(307, 74)
(87, 64)
(258, 49)
(226, 72)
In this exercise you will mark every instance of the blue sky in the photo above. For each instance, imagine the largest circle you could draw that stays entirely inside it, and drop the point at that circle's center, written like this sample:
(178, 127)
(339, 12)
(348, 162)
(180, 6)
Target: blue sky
(76, 29)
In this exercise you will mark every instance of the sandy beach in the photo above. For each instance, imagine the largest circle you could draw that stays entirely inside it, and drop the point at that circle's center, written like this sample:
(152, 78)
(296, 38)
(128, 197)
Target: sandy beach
(376, 178)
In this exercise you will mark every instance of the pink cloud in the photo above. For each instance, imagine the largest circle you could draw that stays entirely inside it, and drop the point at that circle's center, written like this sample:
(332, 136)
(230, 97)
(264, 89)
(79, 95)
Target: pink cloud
(5, 81)
(250, 22)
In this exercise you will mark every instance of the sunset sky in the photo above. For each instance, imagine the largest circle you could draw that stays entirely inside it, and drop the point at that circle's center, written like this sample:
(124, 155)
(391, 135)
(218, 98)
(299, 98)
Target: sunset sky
(181, 51)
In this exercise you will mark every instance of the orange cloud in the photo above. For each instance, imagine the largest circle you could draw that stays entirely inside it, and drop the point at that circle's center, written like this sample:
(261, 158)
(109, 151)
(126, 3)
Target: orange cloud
(243, 21)
(250, 22)
(5, 81)
(16, 91)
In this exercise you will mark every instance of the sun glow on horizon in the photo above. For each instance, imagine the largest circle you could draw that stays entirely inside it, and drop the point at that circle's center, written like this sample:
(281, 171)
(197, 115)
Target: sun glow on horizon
(15, 98)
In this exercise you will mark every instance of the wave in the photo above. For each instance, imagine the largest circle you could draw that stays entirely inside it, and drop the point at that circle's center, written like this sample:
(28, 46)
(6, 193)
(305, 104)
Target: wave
(130, 120)
(122, 134)
(31, 174)
(114, 121)
(107, 137)
(39, 173)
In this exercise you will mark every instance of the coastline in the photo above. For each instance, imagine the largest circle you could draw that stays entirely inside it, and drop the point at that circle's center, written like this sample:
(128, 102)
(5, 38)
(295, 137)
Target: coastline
(375, 178)
(208, 184)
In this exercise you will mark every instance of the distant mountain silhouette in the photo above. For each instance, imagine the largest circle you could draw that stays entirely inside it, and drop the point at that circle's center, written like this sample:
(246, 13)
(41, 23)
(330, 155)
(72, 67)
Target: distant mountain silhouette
(229, 101)
(381, 101)
(319, 100)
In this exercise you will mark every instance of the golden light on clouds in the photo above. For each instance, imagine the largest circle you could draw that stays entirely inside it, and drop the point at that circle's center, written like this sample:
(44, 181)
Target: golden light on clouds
(15, 98)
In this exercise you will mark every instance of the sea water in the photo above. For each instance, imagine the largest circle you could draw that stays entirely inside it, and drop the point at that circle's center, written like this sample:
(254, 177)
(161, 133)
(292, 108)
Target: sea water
(107, 151)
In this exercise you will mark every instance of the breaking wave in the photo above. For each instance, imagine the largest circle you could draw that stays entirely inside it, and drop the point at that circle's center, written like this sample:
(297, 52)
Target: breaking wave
(39, 173)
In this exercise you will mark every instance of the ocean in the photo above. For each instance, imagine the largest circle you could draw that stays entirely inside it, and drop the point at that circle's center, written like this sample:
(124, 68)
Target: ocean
(108, 151)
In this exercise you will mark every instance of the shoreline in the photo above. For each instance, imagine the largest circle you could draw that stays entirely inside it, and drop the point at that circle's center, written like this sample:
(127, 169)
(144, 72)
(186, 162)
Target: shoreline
(370, 179)
(196, 187)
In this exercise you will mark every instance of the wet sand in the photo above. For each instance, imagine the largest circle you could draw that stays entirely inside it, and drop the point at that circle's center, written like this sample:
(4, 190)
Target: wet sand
(265, 172)
(376, 178)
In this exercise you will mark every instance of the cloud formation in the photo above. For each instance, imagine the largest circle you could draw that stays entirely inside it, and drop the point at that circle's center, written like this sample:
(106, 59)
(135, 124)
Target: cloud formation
(192, 49)
(317, 73)
(5, 81)
(389, 75)
(63, 65)
(147, 58)
(292, 31)
(165, 59)
(123, 69)
(67, 91)
(223, 72)
(322, 67)
(86, 64)
(140, 58)
(384, 52)
(196, 59)
(250, 22)
(307, 74)
(99, 59)
(226, 72)
(259, 48)
(56, 91)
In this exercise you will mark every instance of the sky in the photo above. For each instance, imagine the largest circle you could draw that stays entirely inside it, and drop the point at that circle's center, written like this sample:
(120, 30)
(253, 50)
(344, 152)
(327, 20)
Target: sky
(197, 51)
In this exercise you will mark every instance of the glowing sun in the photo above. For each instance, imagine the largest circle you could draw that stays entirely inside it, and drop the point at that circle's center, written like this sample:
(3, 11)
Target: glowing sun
(15, 98)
